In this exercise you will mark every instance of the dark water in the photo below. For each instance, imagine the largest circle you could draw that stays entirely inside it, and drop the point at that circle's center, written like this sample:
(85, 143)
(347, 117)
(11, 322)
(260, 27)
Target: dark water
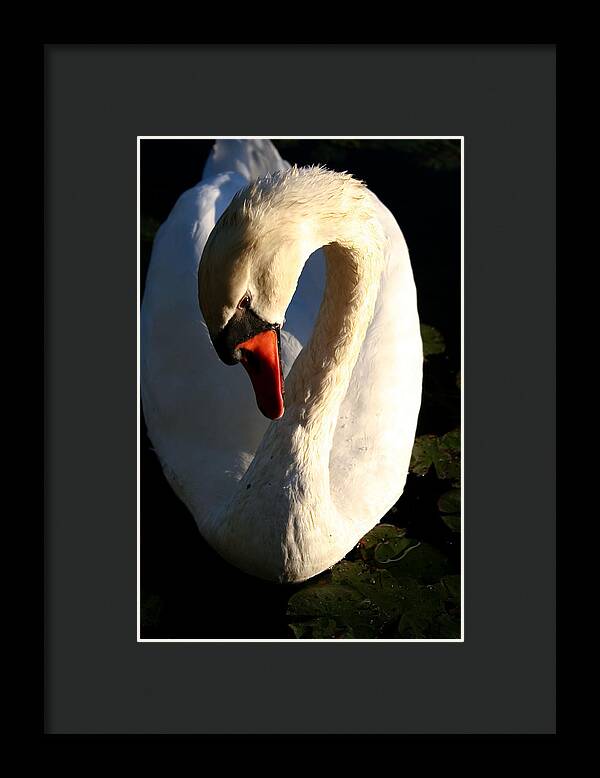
(187, 590)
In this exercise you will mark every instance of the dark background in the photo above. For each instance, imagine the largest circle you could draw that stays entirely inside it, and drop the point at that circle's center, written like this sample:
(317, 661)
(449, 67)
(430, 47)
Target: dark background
(187, 591)
(98, 679)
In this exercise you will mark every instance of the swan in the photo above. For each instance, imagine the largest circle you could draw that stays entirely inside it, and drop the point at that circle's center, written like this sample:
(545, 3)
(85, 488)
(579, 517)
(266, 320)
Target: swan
(302, 276)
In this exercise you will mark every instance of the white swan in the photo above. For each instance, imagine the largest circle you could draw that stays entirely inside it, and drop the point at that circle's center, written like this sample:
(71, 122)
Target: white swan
(285, 499)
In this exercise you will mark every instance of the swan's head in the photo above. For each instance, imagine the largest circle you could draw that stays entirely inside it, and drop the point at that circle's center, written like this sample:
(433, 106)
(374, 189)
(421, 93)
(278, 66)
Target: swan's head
(247, 276)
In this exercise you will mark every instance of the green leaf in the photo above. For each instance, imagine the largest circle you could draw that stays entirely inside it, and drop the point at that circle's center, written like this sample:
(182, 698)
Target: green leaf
(452, 521)
(451, 440)
(421, 607)
(447, 463)
(384, 543)
(423, 562)
(443, 453)
(449, 502)
(433, 340)
(451, 583)
(379, 587)
(381, 533)
(351, 611)
(386, 553)
(424, 611)
(423, 454)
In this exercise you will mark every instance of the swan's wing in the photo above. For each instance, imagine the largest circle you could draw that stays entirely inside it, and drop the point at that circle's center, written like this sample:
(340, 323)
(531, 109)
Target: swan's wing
(249, 158)
(201, 415)
(377, 422)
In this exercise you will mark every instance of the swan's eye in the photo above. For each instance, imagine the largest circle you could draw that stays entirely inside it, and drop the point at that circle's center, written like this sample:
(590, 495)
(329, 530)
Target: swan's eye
(244, 302)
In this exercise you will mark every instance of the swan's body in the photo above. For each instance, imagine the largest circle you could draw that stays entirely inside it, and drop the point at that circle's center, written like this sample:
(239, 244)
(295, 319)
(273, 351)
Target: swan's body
(284, 499)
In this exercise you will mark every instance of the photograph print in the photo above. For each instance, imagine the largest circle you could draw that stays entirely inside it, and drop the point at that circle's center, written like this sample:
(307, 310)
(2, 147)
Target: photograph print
(300, 389)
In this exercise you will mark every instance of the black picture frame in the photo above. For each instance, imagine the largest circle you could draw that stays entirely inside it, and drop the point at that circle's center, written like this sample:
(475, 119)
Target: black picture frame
(98, 679)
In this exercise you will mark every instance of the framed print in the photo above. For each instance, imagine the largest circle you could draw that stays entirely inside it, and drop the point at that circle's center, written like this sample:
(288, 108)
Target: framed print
(152, 624)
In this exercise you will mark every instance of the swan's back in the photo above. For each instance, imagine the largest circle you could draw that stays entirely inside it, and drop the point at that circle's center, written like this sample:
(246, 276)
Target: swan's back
(250, 159)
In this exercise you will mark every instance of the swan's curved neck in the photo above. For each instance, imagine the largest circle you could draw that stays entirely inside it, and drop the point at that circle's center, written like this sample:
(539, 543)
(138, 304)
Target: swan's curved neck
(290, 470)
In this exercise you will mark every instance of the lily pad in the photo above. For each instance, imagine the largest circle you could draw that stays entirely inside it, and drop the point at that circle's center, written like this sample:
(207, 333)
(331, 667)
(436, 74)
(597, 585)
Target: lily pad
(431, 611)
(419, 610)
(451, 440)
(447, 464)
(379, 587)
(381, 533)
(384, 544)
(433, 340)
(423, 562)
(451, 584)
(452, 521)
(449, 502)
(443, 453)
(423, 454)
(353, 614)
(388, 553)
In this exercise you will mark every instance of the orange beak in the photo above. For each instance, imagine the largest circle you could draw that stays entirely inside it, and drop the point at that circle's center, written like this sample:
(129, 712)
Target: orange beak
(260, 357)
